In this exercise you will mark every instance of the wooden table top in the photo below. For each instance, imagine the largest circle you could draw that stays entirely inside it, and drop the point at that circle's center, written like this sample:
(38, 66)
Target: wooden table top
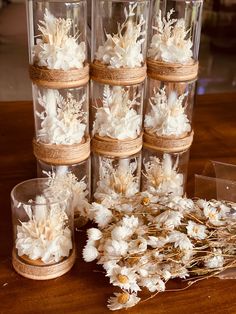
(85, 289)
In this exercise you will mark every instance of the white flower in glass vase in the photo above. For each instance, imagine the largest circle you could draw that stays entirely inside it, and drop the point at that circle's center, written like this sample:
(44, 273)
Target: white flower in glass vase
(167, 116)
(63, 119)
(56, 48)
(124, 49)
(170, 43)
(67, 181)
(162, 176)
(115, 182)
(117, 117)
(45, 235)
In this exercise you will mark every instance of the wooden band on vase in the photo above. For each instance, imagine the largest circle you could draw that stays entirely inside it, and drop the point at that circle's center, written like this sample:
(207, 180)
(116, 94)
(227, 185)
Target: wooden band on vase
(116, 148)
(104, 74)
(40, 271)
(61, 154)
(167, 144)
(172, 72)
(59, 78)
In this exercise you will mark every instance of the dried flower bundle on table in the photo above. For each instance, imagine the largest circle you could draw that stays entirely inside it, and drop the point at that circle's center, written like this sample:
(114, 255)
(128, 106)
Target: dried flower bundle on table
(167, 116)
(117, 118)
(162, 176)
(63, 119)
(170, 43)
(124, 49)
(145, 240)
(56, 48)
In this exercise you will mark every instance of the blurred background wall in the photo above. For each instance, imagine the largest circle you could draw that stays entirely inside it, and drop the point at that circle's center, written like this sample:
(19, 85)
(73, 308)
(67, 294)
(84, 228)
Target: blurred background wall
(217, 51)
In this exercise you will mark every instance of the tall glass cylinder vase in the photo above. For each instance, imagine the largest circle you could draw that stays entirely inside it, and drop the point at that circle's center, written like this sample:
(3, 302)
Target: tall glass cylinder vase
(57, 41)
(175, 29)
(42, 218)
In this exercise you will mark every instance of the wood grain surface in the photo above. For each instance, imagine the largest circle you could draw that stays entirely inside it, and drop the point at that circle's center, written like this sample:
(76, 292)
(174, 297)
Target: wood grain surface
(85, 289)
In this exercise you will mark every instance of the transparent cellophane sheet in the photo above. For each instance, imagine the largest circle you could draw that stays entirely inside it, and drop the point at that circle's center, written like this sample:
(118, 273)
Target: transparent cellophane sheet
(218, 181)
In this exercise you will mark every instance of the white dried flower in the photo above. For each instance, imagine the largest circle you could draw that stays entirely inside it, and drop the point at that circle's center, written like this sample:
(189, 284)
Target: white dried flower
(167, 116)
(124, 49)
(101, 215)
(153, 283)
(162, 177)
(94, 234)
(169, 219)
(63, 119)
(56, 49)
(117, 118)
(45, 235)
(116, 248)
(216, 261)
(121, 233)
(196, 230)
(125, 278)
(90, 253)
(122, 300)
(170, 43)
(180, 240)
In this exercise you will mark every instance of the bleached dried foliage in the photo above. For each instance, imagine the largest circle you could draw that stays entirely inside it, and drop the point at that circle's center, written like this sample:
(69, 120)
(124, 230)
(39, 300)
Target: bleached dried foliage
(171, 41)
(167, 116)
(162, 176)
(124, 49)
(117, 118)
(116, 181)
(56, 48)
(63, 119)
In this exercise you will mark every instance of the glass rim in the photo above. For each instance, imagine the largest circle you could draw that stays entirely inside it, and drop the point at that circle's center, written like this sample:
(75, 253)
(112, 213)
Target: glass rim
(65, 194)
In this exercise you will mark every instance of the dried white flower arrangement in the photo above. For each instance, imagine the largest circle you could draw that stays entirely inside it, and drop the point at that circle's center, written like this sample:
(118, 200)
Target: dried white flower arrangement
(170, 43)
(116, 181)
(64, 180)
(162, 176)
(63, 119)
(56, 48)
(46, 236)
(145, 240)
(167, 116)
(117, 118)
(124, 49)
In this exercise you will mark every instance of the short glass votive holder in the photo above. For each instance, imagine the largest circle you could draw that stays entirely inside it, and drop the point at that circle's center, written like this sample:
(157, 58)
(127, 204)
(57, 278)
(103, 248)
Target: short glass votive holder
(42, 219)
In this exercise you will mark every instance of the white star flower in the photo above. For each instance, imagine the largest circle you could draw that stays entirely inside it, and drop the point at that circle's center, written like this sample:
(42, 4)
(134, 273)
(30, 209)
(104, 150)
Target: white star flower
(196, 230)
(122, 300)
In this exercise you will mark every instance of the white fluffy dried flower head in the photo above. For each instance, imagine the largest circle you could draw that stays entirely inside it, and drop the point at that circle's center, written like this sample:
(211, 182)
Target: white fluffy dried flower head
(170, 43)
(124, 49)
(63, 119)
(117, 117)
(162, 176)
(122, 300)
(56, 49)
(167, 115)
